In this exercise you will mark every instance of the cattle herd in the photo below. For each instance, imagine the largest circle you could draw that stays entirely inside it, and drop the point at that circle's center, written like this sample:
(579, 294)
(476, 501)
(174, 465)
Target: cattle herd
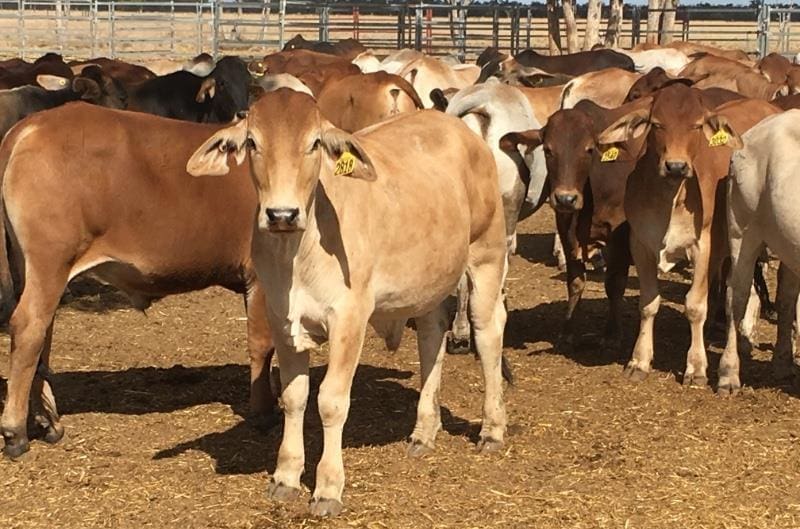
(335, 189)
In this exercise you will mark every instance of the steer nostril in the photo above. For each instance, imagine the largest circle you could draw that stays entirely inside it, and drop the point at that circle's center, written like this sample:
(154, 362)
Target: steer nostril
(287, 215)
(566, 199)
(675, 167)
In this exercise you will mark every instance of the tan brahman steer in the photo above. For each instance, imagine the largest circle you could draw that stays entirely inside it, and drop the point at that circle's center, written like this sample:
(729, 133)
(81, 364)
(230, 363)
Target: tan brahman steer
(370, 228)
(671, 204)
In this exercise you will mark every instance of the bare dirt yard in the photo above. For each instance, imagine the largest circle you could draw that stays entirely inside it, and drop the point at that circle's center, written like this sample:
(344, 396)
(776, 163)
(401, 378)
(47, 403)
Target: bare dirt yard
(153, 408)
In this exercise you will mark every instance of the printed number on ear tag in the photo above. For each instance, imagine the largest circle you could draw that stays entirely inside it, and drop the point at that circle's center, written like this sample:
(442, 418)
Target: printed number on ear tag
(718, 139)
(345, 165)
(610, 155)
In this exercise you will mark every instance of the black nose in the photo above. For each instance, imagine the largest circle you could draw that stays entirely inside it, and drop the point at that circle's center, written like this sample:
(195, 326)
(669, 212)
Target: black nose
(566, 199)
(283, 215)
(676, 168)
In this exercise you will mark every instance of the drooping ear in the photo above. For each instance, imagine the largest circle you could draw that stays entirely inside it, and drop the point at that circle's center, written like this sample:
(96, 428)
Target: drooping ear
(212, 157)
(337, 142)
(679, 80)
(207, 90)
(629, 126)
(87, 88)
(718, 131)
(440, 101)
(533, 77)
(531, 139)
(52, 82)
(411, 75)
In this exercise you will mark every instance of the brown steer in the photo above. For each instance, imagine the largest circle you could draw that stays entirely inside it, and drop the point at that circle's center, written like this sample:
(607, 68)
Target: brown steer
(123, 208)
(671, 203)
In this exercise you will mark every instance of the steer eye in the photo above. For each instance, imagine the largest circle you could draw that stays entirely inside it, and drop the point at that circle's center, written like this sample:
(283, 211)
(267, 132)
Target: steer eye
(590, 149)
(657, 125)
(250, 144)
(547, 151)
(315, 145)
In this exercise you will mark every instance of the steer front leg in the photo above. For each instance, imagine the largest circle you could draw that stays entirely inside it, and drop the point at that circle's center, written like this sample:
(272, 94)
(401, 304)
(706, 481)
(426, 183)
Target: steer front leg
(347, 328)
(285, 482)
(649, 300)
(696, 310)
(259, 344)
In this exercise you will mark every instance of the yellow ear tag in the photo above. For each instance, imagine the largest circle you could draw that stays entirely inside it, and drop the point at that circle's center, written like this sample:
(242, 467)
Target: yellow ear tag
(345, 165)
(719, 139)
(610, 155)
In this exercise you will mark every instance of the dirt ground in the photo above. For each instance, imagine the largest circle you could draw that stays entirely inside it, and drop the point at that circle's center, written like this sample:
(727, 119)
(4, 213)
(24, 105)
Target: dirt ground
(153, 408)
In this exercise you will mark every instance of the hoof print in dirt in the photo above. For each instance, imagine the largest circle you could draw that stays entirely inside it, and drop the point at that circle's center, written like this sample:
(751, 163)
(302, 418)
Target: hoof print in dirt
(417, 448)
(458, 346)
(634, 374)
(280, 492)
(488, 445)
(323, 507)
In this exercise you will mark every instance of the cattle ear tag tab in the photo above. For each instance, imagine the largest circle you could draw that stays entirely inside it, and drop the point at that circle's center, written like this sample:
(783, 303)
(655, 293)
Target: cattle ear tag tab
(719, 139)
(345, 165)
(609, 155)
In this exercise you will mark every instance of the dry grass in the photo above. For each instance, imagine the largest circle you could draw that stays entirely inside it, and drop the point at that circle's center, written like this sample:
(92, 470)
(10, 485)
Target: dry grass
(155, 436)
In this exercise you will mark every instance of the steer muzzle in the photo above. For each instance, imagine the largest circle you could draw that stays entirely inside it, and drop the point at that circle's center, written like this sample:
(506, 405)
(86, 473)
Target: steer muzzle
(567, 202)
(677, 168)
(281, 219)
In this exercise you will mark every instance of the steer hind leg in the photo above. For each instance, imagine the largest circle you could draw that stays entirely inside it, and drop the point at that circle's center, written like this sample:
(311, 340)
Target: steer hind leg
(459, 338)
(430, 338)
(29, 327)
(576, 275)
(619, 259)
(788, 288)
(696, 312)
(45, 409)
(489, 320)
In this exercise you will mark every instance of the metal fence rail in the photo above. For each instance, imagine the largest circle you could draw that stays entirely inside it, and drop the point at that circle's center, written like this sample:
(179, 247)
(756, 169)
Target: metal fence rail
(145, 29)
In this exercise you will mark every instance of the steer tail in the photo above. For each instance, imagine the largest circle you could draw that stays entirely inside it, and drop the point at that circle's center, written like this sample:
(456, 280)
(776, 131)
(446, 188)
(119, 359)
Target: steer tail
(397, 84)
(7, 297)
(505, 368)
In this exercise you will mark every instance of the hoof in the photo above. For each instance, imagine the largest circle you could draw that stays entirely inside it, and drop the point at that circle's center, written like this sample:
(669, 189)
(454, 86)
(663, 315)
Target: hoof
(417, 448)
(728, 389)
(488, 445)
(323, 507)
(280, 492)
(457, 346)
(15, 447)
(634, 374)
(53, 434)
(695, 381)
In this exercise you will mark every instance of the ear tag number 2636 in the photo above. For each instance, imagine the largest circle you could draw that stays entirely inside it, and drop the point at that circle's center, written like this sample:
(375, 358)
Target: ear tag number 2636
(345, 165)
(719, 139)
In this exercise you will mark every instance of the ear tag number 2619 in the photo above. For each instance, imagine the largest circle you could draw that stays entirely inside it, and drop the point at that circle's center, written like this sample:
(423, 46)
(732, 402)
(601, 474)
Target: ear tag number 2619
(345, 165)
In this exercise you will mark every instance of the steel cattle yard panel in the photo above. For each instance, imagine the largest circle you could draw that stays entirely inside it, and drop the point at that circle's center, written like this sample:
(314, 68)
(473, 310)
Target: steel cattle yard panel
(179, 29)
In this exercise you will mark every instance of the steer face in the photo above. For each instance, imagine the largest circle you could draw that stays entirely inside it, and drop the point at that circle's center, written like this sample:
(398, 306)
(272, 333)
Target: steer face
(288, 145)
(678, 129)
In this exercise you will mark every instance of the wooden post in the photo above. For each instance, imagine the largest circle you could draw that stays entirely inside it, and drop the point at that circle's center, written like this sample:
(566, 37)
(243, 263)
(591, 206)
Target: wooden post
(571, 26)
(653, 18)
(668, 21)
(614, 24)
(592, 35)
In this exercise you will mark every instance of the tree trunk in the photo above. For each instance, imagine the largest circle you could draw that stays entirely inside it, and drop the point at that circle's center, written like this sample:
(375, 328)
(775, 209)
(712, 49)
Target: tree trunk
(592, 35)
(553, 28)
(572, 27)
(668, 21)
(653, 18)
(614, 24)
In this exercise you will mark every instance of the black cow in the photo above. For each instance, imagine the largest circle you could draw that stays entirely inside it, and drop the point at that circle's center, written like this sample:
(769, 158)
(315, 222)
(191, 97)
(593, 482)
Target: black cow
(183, 95)
(16, 72)
(572, 64)
(347, 48)
(92, 85)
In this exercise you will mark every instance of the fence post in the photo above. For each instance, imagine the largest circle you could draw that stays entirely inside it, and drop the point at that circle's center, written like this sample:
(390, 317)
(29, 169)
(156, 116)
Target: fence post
(495, 28)
(401, 28)
(324, 21)
(112, 16)
(355, 23)
(216, 13)
(281, 24)
(763, 29)
(636, 26)
(528, 31)
(418, 28)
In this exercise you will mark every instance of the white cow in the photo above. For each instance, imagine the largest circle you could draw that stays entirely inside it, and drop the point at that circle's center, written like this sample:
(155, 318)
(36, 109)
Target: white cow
(370, 228)
(763, 210)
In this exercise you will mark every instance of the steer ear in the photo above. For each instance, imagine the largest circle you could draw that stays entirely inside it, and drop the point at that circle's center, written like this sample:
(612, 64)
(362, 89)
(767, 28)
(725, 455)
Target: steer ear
(87, 88)
(531, 139)
(212, 157)
(52, 82)
(207, 90)
(719, 132)
(629, 126)
(337, 143)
